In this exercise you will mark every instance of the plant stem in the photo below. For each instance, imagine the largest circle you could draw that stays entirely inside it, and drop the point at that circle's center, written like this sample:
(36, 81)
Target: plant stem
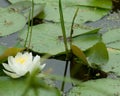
(28, 30)
(63, 27)
(65, 73)
(71, 31)
(31, 24)
(65, 42)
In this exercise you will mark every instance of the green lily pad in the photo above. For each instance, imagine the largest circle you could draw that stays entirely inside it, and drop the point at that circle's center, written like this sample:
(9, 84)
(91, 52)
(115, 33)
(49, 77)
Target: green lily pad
(101, 87)
(24, 8)
(89, 10)
(107, 4)
(36, 1)
(84, 14)
(112, 41)
(112, 38)
(85, 41)
(10, 87)
(113, 63)
(94, 3)
(47, 38)
(10, 22)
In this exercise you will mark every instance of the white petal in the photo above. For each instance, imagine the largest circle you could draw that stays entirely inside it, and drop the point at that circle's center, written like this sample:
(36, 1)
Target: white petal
(29, 59)
(36, 60)
(20, 70)
(42, 66)
(26, 53)
(17, 68)
(10, 60)
(18, 54)
(35, 63)
(13, 75)
(13, 65)
(7, 67)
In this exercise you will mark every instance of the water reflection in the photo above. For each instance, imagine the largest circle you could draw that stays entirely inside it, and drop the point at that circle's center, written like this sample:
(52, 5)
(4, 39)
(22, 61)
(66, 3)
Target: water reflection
(4, 3)
(9, 40)
(57, 68)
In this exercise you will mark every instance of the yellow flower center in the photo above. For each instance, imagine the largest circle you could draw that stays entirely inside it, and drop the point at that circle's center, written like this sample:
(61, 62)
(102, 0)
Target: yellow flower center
(21, 60)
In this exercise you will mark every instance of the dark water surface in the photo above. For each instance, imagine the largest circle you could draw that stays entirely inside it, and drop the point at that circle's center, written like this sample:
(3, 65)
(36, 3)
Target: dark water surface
(4, 3)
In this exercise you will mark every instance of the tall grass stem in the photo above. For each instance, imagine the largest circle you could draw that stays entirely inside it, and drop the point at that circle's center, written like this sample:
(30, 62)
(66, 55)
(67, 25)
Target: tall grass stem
(32, 15)
(72, 25)
(65, 42)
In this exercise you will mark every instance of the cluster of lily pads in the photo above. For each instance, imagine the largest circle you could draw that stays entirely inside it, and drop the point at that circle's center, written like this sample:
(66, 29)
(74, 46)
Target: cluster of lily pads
(92, 49)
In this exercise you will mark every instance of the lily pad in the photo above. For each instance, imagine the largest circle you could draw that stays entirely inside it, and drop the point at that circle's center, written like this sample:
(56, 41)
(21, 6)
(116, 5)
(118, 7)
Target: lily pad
(91, 10)
(24, 8)
(10, 22)
(101, 87)
(107, 4)
(84, 14)
(47, 38)
(36, 1)
(94, 3)
(86, 41)
(113, 63)
(10, 87)
(112, 38)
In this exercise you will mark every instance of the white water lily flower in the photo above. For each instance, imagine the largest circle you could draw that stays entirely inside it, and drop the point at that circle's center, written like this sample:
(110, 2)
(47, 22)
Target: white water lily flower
(21, 64)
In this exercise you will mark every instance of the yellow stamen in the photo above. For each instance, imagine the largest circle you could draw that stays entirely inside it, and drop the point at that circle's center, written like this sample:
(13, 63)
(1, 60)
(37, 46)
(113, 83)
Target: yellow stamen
(21, 60)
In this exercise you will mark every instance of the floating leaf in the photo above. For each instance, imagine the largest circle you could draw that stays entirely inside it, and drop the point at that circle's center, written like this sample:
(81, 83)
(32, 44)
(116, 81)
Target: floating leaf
(107, 4)
(93, 32)
(10, 22)
(112, 41)
(84, 13)
(113, 44)
(10, 87)
(93, 3)
(36, 1)
(47, 38)
(24, 8)
(20, 6)
(86, 40)
(114, 62)
(101, 87)
(69, 7)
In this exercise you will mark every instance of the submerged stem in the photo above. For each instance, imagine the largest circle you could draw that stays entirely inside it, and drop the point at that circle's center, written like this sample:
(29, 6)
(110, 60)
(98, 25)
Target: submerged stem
(65, 73)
